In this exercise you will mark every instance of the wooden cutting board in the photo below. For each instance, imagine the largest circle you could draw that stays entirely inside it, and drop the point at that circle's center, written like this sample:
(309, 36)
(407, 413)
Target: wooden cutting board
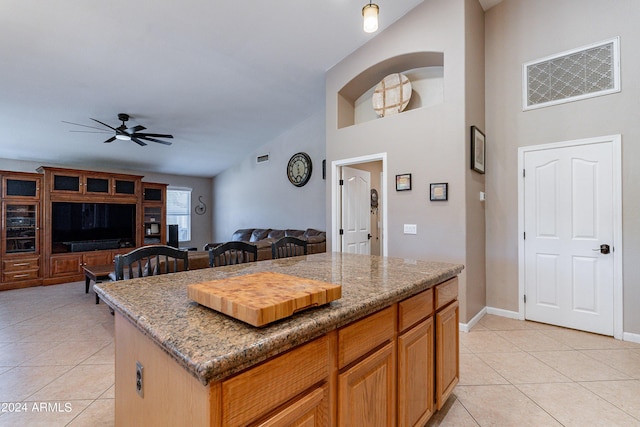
(261, 298)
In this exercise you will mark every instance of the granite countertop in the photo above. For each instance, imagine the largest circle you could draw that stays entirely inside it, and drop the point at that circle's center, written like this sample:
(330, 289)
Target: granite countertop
(212, 346)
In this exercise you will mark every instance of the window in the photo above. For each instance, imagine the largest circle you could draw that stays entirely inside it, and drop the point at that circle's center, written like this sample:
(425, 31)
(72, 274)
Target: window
(179, 211)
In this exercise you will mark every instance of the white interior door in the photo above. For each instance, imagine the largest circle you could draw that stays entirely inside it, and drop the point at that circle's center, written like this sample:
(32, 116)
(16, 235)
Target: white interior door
(568, 215)
(356, 221)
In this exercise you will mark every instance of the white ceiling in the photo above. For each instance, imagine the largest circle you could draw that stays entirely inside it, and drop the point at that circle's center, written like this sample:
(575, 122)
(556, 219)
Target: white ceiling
(223, 77)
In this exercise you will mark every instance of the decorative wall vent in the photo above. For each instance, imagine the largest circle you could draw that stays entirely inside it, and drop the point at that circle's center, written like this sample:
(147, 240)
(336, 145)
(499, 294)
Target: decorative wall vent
(262, 158)
(581, 73)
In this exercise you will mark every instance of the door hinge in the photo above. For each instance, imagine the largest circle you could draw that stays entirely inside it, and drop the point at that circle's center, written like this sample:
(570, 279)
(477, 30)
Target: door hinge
(341, 231)
(524, 235)
(525, 299)
(523, 173)
(341, 182)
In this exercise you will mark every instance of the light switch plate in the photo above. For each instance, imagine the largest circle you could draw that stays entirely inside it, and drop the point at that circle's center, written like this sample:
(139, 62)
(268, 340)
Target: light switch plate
(410, 229)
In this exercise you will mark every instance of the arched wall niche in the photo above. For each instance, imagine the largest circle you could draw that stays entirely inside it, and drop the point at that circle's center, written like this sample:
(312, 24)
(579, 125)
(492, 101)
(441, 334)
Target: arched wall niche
(350, 93)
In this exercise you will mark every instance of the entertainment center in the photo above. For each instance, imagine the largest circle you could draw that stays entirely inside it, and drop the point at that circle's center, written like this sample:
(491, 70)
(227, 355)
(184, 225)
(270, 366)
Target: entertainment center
(58, 220)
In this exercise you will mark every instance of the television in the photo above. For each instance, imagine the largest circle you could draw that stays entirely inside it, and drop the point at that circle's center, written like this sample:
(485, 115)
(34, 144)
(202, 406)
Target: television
(78, 227)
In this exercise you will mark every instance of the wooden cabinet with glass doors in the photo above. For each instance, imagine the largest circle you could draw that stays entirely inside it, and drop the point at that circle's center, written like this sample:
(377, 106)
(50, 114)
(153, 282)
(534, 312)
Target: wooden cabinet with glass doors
(20, 240)
(154, 213)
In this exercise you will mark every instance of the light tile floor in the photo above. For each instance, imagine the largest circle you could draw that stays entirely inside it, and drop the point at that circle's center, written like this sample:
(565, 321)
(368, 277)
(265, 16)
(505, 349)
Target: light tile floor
(56, 358)
(57, 364)
(518, 373)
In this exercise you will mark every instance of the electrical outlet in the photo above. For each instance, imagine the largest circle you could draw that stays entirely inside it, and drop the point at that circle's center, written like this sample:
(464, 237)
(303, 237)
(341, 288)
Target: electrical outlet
(139, 378)
(410, 229)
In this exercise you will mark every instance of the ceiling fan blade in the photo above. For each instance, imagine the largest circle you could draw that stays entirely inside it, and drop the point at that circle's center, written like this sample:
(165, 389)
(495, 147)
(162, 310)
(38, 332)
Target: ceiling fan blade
(157, 135)
(136, 128)
(113, 138)
(91, 131)
(137, 141)
(78, 124)
(104, 124)
(146, 138)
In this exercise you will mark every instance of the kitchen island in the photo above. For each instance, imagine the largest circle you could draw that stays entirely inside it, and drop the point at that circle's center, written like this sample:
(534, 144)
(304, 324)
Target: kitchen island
(392, 335)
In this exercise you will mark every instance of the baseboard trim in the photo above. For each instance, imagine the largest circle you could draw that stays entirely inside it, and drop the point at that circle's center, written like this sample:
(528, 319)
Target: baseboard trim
(466, 327)
(504, 313)
(628, 336)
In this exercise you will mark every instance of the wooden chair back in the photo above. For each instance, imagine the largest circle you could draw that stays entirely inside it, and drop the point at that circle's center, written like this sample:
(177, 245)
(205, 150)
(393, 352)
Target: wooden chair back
(288, 246)
(151, 260)
(231, 253)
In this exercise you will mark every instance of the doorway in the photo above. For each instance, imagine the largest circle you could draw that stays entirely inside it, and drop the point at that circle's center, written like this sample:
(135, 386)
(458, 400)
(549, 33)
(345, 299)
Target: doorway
(375, 208)
(570, 234)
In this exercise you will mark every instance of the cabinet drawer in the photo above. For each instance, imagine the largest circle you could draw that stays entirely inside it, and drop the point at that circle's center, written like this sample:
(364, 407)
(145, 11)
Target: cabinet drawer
(20, 275)
(311, 410)
(359, 338)
(11, 265)
(446, 292)
(414, 309)
(253, 393)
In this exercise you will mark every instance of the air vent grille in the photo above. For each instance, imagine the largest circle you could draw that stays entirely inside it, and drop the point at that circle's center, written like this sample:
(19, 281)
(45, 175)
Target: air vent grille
(262, 158)
(578, 74)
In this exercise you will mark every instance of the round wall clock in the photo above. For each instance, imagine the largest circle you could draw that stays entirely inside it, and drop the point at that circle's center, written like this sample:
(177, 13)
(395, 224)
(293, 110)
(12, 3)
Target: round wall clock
(299, 169)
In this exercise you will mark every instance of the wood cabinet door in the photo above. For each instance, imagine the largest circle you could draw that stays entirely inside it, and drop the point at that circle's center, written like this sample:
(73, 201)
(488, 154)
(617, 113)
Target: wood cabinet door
(312, 410)
(62, 265)
(125, 187)
(367, 391)
(20, 231)
(415, 375)
(21, 186)
(447, 353)
(67, 182)
(97, 185)
(97, 258)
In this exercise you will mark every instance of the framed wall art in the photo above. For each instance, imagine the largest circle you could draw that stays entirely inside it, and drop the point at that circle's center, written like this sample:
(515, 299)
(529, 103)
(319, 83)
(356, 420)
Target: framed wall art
(477, 150)
(439, 192)
(403, 182)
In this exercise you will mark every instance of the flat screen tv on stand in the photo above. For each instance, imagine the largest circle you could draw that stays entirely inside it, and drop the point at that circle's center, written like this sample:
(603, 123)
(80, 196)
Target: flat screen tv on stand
(81, 227)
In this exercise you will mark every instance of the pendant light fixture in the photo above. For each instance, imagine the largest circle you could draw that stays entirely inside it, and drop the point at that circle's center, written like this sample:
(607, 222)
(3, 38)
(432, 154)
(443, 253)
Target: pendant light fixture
(370, 14)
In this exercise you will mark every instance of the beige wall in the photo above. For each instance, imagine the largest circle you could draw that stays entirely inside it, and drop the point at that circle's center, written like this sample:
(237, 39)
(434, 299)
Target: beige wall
(518, 31)
(429, 142)
(200, 224)
(251, 195)
(474, 182)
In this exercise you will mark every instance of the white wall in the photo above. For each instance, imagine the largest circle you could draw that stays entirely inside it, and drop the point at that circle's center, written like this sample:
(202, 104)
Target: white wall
(518, 31)
(200, 224)
(251, 195)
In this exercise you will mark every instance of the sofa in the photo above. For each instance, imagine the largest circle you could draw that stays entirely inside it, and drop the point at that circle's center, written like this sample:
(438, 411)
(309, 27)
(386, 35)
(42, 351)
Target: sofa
(263, 237)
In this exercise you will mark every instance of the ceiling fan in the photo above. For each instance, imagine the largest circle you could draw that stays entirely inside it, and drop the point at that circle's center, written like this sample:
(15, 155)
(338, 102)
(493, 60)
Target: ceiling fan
(124, 133)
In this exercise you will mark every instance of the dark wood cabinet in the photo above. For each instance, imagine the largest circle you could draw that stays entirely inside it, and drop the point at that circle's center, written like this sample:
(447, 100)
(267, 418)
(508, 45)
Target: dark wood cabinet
(28, 255)
(100, 193)
(73, 182)
(447, 340)
(154, 213)
(20, 241)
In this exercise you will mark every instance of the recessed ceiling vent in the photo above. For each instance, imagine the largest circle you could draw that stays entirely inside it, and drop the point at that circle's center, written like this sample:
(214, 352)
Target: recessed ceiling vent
(581, 73)
(262, 158)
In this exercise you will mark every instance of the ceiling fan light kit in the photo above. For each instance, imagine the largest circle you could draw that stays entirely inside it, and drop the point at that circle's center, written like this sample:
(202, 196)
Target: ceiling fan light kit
(370, 17)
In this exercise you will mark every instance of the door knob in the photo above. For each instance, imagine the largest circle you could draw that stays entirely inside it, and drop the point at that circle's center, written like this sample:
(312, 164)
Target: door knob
(604, 249)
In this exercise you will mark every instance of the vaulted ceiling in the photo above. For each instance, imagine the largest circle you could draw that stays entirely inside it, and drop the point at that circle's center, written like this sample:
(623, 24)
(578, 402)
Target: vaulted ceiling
(222, 77)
